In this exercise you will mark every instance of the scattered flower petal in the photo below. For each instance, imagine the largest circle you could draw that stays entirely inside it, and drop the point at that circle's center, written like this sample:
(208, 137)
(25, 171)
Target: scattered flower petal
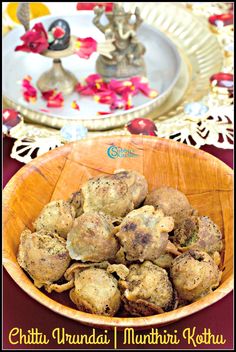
(44, 110)
(103, 112)
(118, 104)
(141, 83)
(74, 105)
(84, 90)
(116, 93)
(127, 98)
(84, 47)
(97, 83)
(107, 97)
(94, 78)
(48, 94)
(54, 98)
(34, 40)
(121, 87)
(56, 101)
(29, 92)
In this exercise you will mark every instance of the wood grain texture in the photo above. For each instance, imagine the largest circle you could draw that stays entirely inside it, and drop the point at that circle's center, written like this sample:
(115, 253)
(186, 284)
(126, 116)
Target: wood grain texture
(207, 182)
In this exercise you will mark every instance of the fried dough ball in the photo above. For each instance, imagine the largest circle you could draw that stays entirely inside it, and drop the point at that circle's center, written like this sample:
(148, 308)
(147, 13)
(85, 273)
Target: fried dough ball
(173, 203)
(76, 201)
(69, 275)
(143, 234)
(147, 290)
(57, 216)
(107, 194)
(164, 261)
(120, 270)
(198, 232)
(43, 255)
(96, 291)
(136, 183)
(194, 274)
(91, 238)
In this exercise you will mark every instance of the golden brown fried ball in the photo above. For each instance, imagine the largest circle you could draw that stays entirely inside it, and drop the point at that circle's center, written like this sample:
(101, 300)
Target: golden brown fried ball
(75, 200)
(43, 255)
(120, 270)
(107, 194)
(57, 216)
(70, 277)
(143, 234)
(194, 275)
(147, 290)
(136, 183)
(164, 261)
(198, 232)
(91, 238)
(96, 291)
(173, 203)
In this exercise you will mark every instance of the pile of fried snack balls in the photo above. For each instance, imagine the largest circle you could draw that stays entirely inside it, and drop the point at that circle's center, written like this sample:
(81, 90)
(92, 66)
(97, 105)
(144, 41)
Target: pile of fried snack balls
(121, 250)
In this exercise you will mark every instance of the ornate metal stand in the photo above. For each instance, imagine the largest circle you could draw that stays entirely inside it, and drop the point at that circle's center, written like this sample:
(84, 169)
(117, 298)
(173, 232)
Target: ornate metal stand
(58, 77)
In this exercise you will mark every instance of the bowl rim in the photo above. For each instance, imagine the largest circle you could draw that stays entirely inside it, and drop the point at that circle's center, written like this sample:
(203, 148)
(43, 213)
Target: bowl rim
(98, 320)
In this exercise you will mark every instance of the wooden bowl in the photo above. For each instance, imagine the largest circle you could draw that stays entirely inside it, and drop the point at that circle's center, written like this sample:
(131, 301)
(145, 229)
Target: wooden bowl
(207, 182)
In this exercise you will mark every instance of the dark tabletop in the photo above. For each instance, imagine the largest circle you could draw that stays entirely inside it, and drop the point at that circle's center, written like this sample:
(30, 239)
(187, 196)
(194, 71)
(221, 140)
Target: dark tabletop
(22, 312)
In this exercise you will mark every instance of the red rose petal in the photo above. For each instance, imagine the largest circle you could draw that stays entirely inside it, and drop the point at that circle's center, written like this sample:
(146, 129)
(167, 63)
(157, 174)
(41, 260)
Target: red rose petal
(44, 110)
(48, 94)
(121, 87)
(117, 104)
(29, 92)
(54, 98)
(84, 90)
(141, 84)
(34, 40)
(56, 102)
(74, 105)
(93, 79)
(107, 97)
(103, 112)
(85, 47)
(116, 93)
